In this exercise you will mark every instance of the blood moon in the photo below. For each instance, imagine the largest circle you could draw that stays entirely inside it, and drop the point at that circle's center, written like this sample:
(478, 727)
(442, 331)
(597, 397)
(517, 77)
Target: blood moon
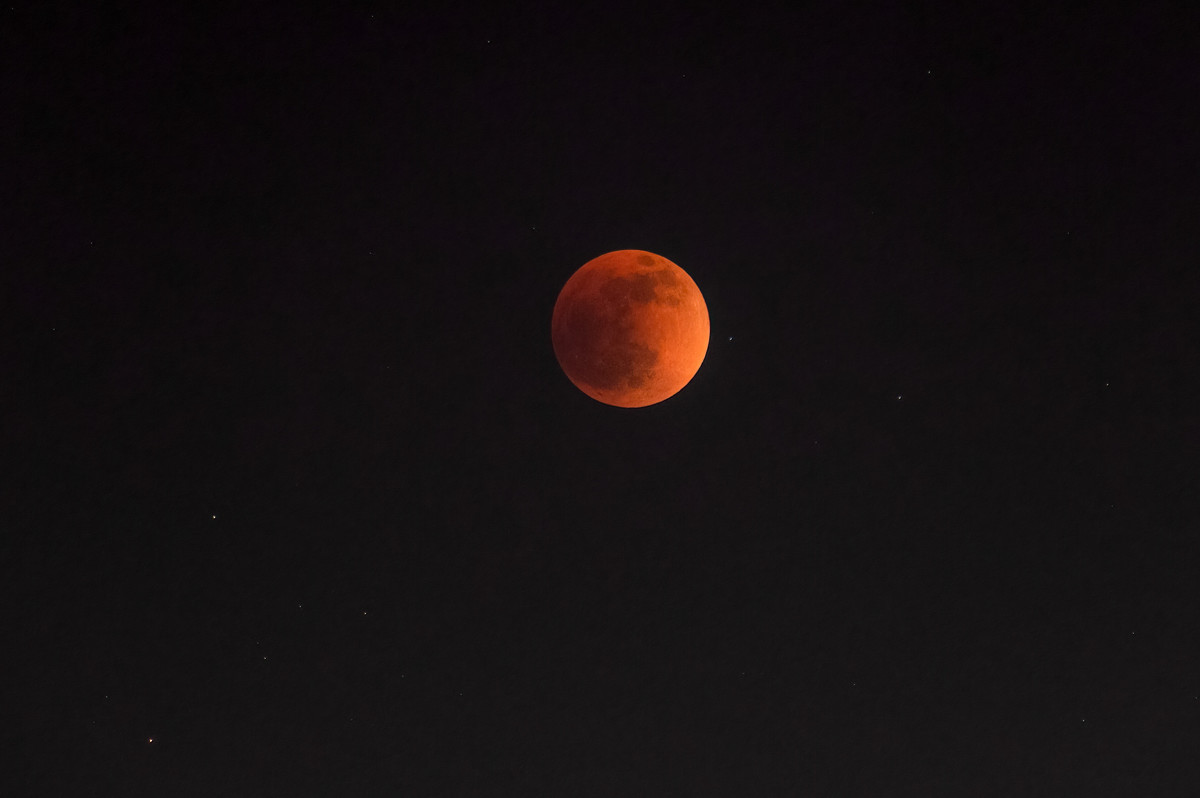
(630, 328)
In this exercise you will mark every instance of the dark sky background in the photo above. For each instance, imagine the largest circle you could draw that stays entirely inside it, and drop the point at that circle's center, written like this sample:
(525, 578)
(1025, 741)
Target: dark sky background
(298, 501)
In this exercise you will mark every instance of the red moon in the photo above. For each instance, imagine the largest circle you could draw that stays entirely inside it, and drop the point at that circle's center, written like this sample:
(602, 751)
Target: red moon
(630, 328)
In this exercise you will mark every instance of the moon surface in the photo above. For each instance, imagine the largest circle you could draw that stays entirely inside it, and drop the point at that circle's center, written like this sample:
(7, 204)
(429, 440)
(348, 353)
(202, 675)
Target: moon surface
(630, 328)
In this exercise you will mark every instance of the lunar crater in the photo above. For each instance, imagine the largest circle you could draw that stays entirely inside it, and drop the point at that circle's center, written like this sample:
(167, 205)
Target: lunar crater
(645, 287)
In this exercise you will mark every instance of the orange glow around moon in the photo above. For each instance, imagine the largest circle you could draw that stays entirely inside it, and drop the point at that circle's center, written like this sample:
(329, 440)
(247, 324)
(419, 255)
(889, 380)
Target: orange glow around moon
(630, 328)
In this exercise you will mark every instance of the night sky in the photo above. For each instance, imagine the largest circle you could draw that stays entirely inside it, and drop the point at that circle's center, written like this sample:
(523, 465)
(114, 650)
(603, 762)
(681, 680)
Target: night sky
(298, 501)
